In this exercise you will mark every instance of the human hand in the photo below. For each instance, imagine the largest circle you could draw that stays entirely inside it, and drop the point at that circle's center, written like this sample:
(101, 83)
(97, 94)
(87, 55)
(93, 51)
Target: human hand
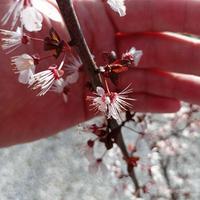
(25, 117)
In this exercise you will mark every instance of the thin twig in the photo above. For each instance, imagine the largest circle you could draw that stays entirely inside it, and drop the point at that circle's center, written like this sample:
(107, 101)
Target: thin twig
(164, 167)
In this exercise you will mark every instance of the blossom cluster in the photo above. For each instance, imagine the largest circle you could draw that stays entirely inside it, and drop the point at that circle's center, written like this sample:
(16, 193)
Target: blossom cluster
(30, 13)
(159, 149)
(25, 16)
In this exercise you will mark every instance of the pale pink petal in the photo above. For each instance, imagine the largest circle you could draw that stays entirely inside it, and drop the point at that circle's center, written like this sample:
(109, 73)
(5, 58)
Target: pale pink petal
(72, 78)
(100, 91)
(31, 19)
(137, 57)
(47, 9)
(25, 76)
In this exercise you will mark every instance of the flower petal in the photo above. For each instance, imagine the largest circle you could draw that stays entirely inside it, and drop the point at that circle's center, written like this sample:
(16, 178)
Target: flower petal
(100, 91)
(24, 76)
(31, 19)
(47, 9)
(72, 78)
(137, 57)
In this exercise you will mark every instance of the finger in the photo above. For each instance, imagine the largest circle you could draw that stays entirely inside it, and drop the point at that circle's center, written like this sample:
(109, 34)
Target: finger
(97, 28)
(154, 104)
(171, 85)
(154, 15)
(171, 52)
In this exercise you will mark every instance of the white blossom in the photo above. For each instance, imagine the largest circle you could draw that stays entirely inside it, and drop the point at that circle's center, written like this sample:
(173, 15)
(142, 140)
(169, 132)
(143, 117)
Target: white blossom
(47, 9)
(12, 40)
(30, 13)
(111, 103)
(133, 55)
(24, 65)
(31, 19)
(118, 6)
(45, 79)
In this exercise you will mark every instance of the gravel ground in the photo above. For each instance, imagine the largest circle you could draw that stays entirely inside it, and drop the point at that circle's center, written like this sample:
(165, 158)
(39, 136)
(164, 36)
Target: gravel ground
(50, 169)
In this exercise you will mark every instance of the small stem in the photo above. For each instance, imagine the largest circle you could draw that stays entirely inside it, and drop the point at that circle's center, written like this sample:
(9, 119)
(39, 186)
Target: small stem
(103, 154)
(164, 167)
(132, 129)
(27, 3)
(121, 144)
(36, 39)
(107, 88)
(62, 63)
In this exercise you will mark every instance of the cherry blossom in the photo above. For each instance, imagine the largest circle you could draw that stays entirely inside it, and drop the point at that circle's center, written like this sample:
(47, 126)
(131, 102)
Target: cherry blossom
(118, 6)
(133, 56)
(13, 39)
(111, 103)
(24, 65)
(48, 9)
(30, 13)
(31, 19)
(46, 79)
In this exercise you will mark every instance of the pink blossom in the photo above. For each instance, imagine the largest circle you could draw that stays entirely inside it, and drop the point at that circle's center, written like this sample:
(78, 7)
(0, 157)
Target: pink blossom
(48, 9)
(13, 39)
(28, 15)
(46, 79)
(29, 12)
(133, 56)
(111, 103)
(31, 19)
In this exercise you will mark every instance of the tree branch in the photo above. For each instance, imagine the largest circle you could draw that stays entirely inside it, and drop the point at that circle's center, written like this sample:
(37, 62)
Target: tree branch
(78, 40)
